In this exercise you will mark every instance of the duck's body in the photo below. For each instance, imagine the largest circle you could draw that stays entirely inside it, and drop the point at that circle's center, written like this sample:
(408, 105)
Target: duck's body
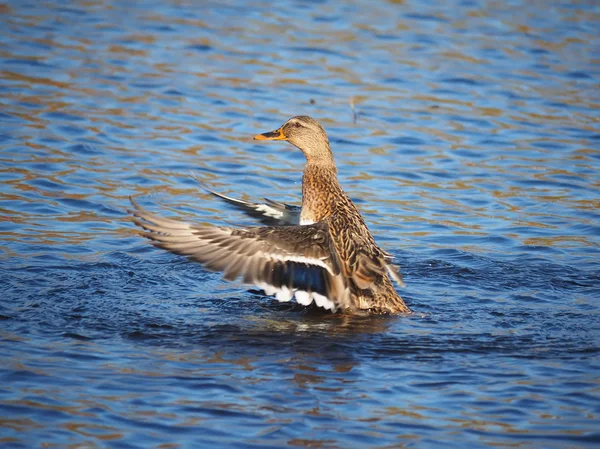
(364, 262)
(325, 253)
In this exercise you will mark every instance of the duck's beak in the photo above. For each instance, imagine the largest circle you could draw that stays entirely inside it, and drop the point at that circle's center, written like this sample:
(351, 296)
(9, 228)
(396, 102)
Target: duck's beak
(273, 135)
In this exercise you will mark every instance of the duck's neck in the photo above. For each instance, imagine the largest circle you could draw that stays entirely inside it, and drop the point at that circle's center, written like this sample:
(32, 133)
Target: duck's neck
(321, 192)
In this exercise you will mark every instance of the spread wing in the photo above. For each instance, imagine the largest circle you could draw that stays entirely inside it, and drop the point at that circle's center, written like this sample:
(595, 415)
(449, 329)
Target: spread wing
(287, 261)
(269, 213)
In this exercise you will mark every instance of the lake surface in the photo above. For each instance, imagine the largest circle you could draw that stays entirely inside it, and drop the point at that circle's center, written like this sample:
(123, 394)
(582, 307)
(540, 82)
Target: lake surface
(469, 136)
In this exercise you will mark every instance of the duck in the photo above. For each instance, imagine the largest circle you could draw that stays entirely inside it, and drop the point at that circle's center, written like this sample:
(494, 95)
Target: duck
(320, 254)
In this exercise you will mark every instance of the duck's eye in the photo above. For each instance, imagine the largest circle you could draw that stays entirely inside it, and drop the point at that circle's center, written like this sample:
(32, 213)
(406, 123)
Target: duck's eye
(297, 125)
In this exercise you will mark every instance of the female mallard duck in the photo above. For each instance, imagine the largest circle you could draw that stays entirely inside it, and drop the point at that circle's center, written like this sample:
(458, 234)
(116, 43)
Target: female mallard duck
(322, 252)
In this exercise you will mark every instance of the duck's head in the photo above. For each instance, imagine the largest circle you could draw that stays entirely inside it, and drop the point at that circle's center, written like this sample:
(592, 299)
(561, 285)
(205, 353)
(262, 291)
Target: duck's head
(305, 133)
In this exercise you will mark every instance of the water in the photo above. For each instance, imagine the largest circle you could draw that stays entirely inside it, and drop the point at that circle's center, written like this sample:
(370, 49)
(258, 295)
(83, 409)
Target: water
(474, 158)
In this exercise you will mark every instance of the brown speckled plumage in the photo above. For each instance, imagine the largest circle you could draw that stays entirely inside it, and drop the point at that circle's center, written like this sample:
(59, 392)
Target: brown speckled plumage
(322, 253)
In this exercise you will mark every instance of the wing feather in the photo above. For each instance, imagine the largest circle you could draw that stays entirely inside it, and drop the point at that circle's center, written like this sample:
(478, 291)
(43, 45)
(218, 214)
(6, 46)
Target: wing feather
(269, 213)
(281, 259)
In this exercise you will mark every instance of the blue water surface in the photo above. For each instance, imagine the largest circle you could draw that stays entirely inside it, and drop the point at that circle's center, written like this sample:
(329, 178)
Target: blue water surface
(467, 133)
